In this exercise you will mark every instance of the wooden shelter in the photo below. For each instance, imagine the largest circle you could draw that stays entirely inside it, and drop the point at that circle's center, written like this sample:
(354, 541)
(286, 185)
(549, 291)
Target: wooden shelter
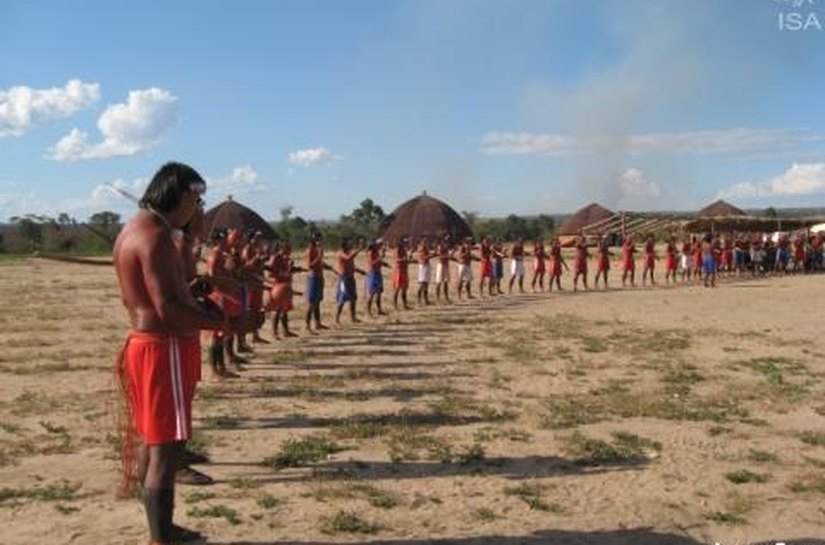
(424, 216)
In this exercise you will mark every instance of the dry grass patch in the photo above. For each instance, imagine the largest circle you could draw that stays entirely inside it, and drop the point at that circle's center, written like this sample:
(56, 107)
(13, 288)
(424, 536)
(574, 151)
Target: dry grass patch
(348, 522)
(625, 448)
(531, 494)
(302, 452)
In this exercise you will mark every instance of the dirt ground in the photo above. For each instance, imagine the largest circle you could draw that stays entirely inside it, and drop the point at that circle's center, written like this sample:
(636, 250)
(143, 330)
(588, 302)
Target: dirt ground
(667, 416)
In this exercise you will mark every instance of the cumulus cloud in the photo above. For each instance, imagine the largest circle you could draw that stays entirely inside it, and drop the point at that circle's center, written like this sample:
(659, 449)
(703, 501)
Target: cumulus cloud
(23, 108)
(313, 157)
(243, 179)
(740, 141)
(633, 183)
(798, 180)
(127, 129)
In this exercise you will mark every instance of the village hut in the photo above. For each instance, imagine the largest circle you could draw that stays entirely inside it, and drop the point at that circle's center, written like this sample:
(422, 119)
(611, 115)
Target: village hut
(720, 209)
(591, 215)
(424, 216)
(231, 214)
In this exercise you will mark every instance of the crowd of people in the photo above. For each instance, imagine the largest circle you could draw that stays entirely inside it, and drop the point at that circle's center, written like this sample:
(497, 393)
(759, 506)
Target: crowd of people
(263, 271)
(177, 281)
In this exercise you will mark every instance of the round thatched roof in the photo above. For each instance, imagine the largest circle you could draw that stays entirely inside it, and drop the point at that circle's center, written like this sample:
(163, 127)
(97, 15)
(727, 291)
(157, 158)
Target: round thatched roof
(425, 216)
(586, 216)
(233, 215)
(720, 208)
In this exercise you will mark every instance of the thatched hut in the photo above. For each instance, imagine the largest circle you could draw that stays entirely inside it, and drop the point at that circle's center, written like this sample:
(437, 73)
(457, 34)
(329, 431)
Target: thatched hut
(591, 214)
(231, 214)
(424, 216)
(720, 209)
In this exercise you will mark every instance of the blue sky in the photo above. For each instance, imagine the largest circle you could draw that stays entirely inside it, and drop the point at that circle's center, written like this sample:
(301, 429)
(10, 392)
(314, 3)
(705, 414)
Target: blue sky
(497, 107)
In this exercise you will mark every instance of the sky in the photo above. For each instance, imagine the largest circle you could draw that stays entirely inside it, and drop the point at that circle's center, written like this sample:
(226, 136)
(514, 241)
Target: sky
(495, 106)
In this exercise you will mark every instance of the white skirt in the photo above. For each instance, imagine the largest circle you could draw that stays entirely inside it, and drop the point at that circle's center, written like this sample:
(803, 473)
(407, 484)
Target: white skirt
(465, 273)
(424, 272)
(442, 273)
(516, 267)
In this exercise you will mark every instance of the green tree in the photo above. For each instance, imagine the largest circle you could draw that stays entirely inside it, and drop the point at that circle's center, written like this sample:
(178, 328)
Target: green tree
(367, 217)
(105, 220)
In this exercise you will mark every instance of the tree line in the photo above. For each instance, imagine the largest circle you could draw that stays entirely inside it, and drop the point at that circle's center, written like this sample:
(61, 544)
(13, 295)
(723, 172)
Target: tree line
(64, 234)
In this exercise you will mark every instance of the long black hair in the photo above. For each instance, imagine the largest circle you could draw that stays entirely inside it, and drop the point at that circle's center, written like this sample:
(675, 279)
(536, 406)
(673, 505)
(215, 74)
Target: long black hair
(168, 185)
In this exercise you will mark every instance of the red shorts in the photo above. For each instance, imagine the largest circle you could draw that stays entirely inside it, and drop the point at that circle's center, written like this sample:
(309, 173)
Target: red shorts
(670, 263)
(161, 372)
(486, 268)
(650, 262)
(280, 297)
(555, 267)
(604, 264)
(628, 265)
(400, 279)
(539, 266)
(581, 267)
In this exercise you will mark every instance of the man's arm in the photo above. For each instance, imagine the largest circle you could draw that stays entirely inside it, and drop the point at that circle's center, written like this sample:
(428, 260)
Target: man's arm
(161, 266)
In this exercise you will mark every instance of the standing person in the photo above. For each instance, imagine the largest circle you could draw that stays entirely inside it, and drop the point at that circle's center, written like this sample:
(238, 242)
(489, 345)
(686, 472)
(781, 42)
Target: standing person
(374, 279)
(442, 268)
(423, 272)
(650, 260)
(697, 259)
(499, 254)
(465, 271)
(281, 268)
(539, 257)
(670, 261)
(603, 264)
(799, 253)
(401, 274)
(345, 291)
(215, 267)
(315, 282)
(726, 261)
(709, 261)
(686, 260)
(580, 264)
(556, 264)
(517, 265)
(157, 366)
(629, 261)
(739, 255)
(816, 252)
(486, 251)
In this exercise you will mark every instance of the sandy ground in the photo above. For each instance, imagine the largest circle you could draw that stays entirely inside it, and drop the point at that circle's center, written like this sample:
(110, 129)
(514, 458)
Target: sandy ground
(639, 416)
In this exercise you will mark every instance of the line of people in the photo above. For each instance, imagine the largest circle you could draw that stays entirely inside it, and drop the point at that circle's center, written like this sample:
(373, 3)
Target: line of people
(250, 273)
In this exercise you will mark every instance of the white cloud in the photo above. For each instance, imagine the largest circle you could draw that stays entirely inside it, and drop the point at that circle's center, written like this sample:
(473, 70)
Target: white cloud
(23, 108)
(313, 157)
(17, 201)
(710, 142)
(799, 179)
(127, 129)
(633, 183)
(243, 180)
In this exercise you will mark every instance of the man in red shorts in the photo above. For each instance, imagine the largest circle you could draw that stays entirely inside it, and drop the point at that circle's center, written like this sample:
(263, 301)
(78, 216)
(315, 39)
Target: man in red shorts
(401, 274)
(628, 261)
(157, 367)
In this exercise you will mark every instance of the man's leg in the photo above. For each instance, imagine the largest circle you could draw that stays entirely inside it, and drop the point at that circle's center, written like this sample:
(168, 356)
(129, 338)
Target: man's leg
(159, 490)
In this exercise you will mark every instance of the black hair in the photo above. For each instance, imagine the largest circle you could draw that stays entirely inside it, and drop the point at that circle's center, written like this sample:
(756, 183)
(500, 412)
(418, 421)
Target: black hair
(168, 185)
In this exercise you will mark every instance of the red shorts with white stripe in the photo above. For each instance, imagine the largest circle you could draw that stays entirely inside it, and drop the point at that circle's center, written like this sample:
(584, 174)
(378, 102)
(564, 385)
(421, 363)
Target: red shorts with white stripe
(162, 371)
